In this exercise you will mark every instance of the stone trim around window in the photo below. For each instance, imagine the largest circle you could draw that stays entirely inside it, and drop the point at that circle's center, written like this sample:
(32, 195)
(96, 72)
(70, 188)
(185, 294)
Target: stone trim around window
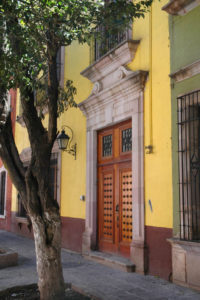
(103, 69)
(186, 72)
(180, 7)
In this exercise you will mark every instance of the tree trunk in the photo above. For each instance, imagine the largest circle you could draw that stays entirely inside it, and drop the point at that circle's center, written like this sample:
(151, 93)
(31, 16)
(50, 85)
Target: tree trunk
(48, 256)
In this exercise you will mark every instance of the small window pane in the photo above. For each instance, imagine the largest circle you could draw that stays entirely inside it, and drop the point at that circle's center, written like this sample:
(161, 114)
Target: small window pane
(107, 145)
(127, 140)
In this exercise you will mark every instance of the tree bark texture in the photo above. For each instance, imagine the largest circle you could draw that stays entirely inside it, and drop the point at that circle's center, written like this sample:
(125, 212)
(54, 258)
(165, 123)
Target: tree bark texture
(45, 217)
(51, 283)
(33, 186)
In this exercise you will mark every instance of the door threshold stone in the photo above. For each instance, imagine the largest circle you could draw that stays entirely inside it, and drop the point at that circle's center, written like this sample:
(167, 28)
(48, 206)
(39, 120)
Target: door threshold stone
(111, 260)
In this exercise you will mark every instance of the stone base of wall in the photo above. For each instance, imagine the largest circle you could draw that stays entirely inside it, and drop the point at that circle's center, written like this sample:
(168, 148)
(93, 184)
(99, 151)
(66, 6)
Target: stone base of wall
(21, 226)
(5, 223)
(186, 263)
(138, 255)
(72, 232)
(159, 260)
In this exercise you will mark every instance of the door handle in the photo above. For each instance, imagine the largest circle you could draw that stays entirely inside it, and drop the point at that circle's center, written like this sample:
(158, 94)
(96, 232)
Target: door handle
(117, 208)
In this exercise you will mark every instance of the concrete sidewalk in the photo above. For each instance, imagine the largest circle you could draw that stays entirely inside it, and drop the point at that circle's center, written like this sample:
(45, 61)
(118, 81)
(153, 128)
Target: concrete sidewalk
(94, 279)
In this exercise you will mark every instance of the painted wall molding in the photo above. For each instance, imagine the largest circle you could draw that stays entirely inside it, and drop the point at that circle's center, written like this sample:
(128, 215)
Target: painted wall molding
(186, 72)
(180, 7)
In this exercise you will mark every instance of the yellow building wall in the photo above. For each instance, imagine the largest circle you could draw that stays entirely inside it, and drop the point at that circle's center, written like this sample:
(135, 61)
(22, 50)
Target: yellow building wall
(158, 166)
(21, 138)
(73, 173)
(152, 55)
(22, 142)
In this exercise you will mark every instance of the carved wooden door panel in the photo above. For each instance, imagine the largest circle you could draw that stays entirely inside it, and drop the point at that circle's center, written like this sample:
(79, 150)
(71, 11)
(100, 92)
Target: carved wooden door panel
(115, 189)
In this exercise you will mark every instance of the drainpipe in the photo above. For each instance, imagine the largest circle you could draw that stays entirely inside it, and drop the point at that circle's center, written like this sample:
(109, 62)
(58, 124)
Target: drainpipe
(149, 147)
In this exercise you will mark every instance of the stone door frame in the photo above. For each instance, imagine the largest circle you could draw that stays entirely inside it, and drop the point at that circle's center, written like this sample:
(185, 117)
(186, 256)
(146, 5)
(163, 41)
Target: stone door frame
(118, 95)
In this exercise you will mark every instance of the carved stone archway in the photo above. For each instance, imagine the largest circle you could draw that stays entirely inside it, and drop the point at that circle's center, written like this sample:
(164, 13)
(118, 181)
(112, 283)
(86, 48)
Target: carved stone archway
(117, 96)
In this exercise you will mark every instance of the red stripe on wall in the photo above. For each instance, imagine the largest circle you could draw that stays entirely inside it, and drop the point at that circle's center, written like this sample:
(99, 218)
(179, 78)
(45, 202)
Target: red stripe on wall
(158, 251)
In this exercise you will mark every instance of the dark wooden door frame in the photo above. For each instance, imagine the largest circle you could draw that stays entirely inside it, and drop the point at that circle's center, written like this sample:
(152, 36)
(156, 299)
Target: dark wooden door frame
(113, 236)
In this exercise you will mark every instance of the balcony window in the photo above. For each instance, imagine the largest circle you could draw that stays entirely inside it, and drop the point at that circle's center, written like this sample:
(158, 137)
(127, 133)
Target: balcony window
(53, 181)
(101, 47)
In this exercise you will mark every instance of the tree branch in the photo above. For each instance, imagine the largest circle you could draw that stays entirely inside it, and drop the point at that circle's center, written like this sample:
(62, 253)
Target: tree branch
(53, 99)
(10, 156)
(36, 131)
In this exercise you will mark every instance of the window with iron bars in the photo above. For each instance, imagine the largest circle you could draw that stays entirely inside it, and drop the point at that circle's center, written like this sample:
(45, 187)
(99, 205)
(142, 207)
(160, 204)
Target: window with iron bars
(100, 47)
(2, 192)
(21, 212)
(40, 95)
(189, 165)
(107, 41)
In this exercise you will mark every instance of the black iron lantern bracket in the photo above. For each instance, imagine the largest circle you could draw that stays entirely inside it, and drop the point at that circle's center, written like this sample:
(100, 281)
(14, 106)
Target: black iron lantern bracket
(64, 141)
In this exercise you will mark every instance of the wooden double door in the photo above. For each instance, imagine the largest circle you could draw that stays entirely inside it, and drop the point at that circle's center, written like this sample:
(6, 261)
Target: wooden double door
(115, 188)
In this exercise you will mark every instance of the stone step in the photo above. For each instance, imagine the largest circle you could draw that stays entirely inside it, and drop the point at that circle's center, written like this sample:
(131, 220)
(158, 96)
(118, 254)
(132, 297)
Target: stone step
(8, 258)
(114, 261)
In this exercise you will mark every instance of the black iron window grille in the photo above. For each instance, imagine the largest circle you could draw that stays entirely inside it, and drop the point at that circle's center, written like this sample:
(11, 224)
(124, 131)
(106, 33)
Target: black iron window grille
(127, 140)
(2, 191)
(189, 165)
(107, 42)
(21, 212)
(107, 145)
(41, 93)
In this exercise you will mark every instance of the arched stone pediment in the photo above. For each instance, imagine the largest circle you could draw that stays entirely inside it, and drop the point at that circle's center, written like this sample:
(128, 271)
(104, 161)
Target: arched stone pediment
(125, 87)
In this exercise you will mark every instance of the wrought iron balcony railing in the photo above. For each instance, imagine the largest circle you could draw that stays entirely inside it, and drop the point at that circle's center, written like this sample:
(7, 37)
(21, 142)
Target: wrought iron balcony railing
(107, 42)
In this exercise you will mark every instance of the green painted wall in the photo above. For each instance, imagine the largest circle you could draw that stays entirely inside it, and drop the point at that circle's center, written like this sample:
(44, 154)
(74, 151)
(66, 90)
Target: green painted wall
(185, 39)
(184, 50)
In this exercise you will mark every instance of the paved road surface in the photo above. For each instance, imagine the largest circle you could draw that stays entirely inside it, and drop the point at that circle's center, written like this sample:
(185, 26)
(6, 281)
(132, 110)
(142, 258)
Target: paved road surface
(94, 279)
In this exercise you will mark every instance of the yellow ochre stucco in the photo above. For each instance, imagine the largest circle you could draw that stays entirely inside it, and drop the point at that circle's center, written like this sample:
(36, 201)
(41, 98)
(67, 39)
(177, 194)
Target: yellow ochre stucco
(152, 55)
(73, 173)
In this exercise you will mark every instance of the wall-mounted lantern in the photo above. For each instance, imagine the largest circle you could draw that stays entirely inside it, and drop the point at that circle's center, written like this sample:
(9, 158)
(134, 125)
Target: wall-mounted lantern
(64, 141)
